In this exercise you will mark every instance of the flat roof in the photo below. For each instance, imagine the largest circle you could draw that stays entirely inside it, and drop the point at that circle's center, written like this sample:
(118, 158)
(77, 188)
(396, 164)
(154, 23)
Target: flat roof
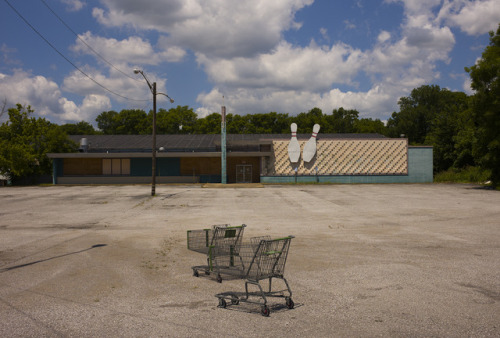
(197, 142)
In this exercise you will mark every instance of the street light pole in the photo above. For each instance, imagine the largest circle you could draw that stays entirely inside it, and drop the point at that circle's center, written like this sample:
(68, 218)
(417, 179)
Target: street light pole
(153, 165)
(153, 155)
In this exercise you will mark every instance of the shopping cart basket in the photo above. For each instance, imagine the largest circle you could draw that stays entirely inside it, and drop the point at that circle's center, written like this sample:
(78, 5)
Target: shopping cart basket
(263, 260)
(221, 245)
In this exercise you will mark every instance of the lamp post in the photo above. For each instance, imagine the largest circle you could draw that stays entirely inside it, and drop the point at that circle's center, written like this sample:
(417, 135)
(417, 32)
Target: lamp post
(152, 87)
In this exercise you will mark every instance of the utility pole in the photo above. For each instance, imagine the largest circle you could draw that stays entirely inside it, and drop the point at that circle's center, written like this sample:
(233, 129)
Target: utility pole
(152, 87)
(223, 146)
(153, 165)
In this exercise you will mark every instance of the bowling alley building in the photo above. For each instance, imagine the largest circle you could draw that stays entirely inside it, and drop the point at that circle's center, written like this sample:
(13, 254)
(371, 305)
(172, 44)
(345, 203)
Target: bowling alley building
(339, 158)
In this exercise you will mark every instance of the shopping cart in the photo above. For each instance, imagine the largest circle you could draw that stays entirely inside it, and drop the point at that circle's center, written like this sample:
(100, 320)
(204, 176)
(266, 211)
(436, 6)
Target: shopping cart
(221, 245)
(263, 260)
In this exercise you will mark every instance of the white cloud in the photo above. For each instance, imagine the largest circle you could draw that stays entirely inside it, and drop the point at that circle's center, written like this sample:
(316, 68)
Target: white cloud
(128, 89)
(6, 55)
(376, 99)
(215, 28)
(37, 91)
(467, 86)
(287, 68)
(74, 5)
(349, 25)
(433, 38)
(383, 36)
(376, 102)
(45, 97)
(131, 50)
(417, 7)
(472, 17)
(324, 33)
(291, 79)
(170, 53)
(242, 48)
(92, 105)
(242, 101)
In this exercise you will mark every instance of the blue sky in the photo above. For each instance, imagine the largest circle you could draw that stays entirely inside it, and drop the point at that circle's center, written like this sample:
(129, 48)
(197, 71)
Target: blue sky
(286, 56)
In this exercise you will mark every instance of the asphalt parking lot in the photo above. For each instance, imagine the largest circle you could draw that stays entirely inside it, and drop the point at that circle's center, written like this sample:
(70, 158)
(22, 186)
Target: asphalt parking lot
(366, 260)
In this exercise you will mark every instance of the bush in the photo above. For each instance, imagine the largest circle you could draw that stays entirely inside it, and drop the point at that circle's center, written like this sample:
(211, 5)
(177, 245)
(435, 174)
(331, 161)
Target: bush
(467, 175)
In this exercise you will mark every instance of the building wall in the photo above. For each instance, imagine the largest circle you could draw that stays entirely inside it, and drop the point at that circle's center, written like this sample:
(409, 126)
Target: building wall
(207, 169)
(138, 170)
(390, 161)
(343, 157)
(420, 170)
(164, 166)
(82, 166)
(233, 169)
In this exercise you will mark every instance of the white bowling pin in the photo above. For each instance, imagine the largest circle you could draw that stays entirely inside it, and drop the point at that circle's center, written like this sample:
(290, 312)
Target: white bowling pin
(293, 145)
(310, 147)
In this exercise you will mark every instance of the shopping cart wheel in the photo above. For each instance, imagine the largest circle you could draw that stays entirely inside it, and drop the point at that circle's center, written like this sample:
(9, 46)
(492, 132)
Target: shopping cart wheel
(235, 300)
(289, 303)
(222, 303)
(219, 278)
(195, 273)
(264, 310)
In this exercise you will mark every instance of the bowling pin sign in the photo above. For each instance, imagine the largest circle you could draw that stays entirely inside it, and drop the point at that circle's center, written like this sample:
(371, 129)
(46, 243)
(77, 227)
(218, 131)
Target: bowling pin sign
(293, 145)
(310, 147)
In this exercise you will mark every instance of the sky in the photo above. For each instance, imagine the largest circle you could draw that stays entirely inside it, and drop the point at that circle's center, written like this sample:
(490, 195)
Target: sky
(71, 60)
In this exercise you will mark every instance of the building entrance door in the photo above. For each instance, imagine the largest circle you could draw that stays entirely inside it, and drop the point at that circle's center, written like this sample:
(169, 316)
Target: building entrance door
(243, 173)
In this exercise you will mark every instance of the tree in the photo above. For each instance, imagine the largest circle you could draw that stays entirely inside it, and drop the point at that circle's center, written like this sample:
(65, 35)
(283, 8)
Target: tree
(270, 123)
(236, 124)
(369, 126)
(306, 121)
(107, 122)
(415, 114)
(341, 121)
(211, 124)
(465, 139)
(24, 143)
(485, 80)
(130, 122)
(178, 120)
(439, 118)
(444, 127)
(80, 128)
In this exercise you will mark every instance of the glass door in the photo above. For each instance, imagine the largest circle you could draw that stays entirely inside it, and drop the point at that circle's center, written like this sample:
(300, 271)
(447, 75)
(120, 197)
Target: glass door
(243, 173)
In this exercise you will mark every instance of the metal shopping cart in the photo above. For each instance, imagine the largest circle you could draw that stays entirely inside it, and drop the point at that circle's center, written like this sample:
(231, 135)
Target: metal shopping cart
(221, 245)
(263, 260)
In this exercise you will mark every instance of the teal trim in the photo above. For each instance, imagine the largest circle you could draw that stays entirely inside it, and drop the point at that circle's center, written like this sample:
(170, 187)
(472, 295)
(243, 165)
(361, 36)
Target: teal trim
(57, 169)
(223, 152)
(54, 171)
(164, 166)
(210, 179)
(168, 166)
(140, 166)
(420, 164)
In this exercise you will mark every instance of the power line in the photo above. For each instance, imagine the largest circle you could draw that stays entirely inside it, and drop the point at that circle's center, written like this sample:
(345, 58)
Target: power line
(81, 40)
(65, 58)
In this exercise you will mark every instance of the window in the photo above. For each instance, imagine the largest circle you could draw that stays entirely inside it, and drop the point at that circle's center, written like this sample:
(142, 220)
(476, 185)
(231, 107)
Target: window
(116, 166)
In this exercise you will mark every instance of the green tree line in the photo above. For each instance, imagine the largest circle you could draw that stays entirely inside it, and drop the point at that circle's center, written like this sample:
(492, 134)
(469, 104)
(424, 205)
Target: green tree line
(183, 120)
(463, 130)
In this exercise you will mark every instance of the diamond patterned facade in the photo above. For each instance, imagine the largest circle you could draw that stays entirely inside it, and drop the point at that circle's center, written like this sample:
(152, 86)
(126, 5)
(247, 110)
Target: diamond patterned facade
(344, 157)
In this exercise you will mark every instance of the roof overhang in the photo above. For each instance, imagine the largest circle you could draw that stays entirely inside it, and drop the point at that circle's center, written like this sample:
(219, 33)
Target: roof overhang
(159, 154)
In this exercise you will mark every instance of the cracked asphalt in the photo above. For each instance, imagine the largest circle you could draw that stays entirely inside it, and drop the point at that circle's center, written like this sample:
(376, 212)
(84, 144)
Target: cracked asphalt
(367, 260)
